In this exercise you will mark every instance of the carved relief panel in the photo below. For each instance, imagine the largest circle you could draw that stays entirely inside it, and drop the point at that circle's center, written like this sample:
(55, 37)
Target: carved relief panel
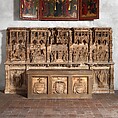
(16, 45)
(101, 44)
(59, 85)
(79, 85)
(17, 80)
(37, 45)
(101, 80)
(79, 49)
(39, 85)
(102, 77)
(57, 49)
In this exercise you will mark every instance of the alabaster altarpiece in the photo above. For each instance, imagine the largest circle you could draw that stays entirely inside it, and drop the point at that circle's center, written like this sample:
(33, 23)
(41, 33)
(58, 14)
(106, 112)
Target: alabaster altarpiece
(59, 9)
(59, 62)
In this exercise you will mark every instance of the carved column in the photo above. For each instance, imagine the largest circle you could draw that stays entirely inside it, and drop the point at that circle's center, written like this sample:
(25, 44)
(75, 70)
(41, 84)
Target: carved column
(110, 44)
(7, 79)
(112, 78)
(90, 46)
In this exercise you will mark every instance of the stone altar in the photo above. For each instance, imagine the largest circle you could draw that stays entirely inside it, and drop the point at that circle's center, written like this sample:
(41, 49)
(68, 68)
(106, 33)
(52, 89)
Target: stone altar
(59, 83)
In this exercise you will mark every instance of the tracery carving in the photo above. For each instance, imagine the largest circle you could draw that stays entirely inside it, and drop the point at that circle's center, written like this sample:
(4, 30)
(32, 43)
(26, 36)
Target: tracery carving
(79, 48)
(17, 51)
(101, 45)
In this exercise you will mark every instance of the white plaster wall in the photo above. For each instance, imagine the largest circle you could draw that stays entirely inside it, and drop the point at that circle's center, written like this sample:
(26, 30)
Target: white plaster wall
(9, 17)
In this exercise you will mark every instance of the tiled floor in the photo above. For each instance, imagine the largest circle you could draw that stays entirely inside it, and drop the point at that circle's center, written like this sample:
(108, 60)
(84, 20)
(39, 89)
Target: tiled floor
(100, 106)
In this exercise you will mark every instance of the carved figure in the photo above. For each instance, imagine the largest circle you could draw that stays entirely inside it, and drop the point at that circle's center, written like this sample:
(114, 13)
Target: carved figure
(53, 53)
(65, 56)
(18, 81)
(102, 54)
(102, 78)
(94, 55)
(74, 55)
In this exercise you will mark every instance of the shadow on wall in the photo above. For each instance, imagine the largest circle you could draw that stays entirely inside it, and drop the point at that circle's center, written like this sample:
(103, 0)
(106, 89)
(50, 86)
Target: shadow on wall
(2, 58)
(16, 10)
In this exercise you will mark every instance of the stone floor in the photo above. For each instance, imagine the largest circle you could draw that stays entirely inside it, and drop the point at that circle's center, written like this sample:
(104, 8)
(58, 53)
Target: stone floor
(100, 106)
